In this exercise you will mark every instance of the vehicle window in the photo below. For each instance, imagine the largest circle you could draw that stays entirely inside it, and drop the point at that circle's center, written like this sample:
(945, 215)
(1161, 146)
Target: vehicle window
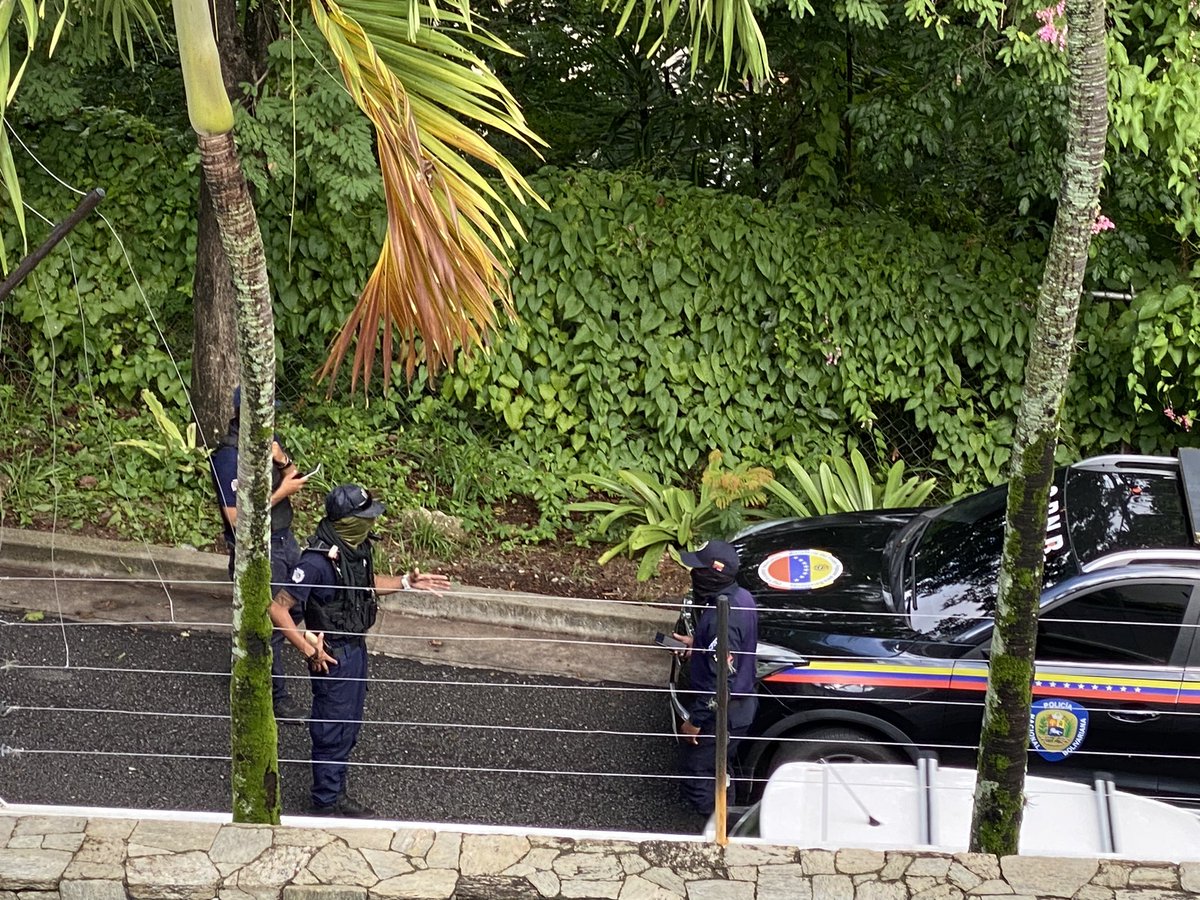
(957, 564)
(1132, 623)
(1113, 511)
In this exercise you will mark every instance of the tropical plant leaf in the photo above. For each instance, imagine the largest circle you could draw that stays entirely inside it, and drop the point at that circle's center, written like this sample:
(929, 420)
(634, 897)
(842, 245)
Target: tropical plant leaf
(650, 560)
(714, 25)
(613, 552)
(864, 484)
(794, 505)
(647, 489)
(443, 269)
(806, 483)
(849, 487)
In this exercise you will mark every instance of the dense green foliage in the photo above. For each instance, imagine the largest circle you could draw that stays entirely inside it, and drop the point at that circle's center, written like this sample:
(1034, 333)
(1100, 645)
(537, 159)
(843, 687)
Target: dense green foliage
(658, 321)
(840, 485)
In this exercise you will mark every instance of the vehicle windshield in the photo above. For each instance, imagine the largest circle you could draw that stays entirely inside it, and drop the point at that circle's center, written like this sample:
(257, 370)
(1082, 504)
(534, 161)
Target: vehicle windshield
(950, 571)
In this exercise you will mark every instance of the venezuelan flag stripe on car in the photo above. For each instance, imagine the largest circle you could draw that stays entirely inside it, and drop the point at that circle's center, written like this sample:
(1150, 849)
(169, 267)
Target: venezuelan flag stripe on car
(1047, 682)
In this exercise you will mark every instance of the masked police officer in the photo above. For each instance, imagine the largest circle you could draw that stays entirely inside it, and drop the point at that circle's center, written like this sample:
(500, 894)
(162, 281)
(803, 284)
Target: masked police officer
(336, 586)
(285, 552)
(714, 568)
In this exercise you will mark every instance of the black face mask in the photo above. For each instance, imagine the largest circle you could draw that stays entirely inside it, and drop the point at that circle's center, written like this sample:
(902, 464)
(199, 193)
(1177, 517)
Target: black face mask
(709, 582)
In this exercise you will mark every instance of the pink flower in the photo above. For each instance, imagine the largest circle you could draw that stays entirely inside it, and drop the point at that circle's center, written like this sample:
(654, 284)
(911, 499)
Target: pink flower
(1050, 32)
(1103, 223)
(1183, 421)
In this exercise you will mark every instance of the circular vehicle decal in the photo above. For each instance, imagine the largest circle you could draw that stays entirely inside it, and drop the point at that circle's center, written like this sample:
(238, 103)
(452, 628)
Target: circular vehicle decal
(800, 570)
(1057, 728)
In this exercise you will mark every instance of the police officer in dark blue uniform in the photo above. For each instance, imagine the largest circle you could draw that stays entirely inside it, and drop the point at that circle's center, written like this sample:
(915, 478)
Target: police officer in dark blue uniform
(285, 552)
(714, 568)
(336, 586)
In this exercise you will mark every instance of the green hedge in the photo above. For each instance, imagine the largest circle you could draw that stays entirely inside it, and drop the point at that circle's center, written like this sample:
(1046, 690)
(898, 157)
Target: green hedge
(657, 321)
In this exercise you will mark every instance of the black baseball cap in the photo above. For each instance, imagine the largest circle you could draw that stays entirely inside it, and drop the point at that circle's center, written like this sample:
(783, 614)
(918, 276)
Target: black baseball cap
(352, 500)
(716, 555)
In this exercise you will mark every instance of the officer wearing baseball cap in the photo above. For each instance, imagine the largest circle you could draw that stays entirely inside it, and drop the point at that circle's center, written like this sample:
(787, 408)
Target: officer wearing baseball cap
(336, 586)
(714, 567)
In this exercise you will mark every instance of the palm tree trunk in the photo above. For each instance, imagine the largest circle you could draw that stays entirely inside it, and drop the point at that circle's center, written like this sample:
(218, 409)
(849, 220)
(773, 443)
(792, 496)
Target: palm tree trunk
(253, 731)
(1003, 748)
(242, 46)
(253, 735)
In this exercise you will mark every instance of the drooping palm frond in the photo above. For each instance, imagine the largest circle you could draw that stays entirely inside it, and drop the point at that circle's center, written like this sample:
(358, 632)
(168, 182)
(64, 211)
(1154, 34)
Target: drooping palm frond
(712, 24)
(32, 16)
(443, 268)
(118, 19)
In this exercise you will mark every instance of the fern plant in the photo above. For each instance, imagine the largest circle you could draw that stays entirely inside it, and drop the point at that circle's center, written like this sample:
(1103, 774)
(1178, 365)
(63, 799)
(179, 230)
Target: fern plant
(668, 516)
(848, 487)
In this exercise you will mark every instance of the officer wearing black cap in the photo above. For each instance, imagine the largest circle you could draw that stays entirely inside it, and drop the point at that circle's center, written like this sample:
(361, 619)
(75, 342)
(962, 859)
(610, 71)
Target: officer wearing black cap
(285, 552)
(714, 567)
(336, 586)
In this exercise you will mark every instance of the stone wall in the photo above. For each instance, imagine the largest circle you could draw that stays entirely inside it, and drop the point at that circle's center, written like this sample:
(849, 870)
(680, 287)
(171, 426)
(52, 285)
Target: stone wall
(50, 857)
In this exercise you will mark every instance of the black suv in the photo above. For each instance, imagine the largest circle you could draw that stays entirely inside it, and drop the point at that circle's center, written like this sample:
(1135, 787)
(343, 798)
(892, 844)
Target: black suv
(875, 628)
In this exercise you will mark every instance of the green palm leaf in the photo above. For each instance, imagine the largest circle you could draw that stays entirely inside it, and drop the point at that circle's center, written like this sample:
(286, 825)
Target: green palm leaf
(724, 25)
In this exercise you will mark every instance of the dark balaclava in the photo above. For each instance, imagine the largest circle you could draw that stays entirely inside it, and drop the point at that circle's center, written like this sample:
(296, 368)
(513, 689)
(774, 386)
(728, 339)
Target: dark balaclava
(708, 582)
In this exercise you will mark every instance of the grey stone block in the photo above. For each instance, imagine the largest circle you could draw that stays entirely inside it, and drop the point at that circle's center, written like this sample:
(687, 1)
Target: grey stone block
(324, 892)
(495, 887)
(92, 890)
(32, 870)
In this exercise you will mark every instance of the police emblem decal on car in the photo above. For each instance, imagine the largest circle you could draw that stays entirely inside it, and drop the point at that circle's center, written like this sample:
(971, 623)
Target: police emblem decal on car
(800, 570)
(1057, 727)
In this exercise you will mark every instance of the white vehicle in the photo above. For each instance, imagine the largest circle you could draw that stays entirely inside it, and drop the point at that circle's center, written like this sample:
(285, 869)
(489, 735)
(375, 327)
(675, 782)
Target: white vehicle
(883, 806)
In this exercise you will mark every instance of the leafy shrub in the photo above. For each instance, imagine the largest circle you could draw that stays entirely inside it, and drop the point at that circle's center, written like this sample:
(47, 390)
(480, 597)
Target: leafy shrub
(848, 487)
(669, 516)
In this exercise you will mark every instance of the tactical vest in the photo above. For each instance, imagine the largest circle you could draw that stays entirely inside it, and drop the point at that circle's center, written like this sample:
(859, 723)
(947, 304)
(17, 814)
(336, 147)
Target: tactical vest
(351, 611)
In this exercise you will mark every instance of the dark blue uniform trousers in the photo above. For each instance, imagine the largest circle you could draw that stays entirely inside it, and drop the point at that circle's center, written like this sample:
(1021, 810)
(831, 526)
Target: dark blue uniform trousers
(698, 762)
(337, 712)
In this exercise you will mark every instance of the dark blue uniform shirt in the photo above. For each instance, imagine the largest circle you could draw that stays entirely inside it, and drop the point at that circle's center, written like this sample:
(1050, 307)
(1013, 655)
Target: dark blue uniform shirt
(743, 643)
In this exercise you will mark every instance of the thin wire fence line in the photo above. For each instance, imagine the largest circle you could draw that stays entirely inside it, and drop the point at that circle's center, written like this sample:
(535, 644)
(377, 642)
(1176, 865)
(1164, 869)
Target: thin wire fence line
(785, 660)
(365, 764)
(536, 729)
(457, 590)
(964, 704)
(484, 594)
(485, 770)
(370, 679)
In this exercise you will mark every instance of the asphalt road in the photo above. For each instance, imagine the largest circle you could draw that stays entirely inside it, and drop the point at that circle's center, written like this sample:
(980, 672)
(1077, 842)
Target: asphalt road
(120, 716)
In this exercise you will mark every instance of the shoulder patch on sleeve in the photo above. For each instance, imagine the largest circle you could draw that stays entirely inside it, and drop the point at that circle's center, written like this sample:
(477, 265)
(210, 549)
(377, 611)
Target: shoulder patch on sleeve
(297, 575)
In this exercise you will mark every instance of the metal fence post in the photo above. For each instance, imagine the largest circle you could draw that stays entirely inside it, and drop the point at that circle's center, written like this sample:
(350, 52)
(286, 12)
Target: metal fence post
(722, 730)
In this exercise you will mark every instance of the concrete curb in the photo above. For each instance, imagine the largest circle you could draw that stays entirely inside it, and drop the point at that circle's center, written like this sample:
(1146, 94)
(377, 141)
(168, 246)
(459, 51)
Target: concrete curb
(77, 556)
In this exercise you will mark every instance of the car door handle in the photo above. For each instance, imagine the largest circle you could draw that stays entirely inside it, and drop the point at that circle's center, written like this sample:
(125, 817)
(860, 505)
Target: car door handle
(1134, 716)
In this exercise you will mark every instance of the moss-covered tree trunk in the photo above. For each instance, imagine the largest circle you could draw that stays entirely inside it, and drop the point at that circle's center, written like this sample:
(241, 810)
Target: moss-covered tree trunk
(254, 740)
(996, 821)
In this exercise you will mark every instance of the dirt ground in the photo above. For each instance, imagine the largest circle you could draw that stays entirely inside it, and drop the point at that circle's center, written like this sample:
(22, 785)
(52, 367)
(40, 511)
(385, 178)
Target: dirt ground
(565, 570)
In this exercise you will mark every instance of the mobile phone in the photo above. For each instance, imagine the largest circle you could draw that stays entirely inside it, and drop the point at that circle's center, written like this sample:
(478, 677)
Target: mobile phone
(670, 642)
(313, 472)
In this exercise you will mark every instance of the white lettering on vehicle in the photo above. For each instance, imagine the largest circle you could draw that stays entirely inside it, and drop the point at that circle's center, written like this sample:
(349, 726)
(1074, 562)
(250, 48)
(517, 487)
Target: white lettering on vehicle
(1055, 539)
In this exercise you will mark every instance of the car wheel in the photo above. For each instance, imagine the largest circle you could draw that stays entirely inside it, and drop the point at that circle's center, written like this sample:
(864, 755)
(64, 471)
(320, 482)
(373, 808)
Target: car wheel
(834, 744)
